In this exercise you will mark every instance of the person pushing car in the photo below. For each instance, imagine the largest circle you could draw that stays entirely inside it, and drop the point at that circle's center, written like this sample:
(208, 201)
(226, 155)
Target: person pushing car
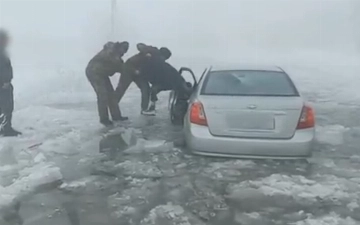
(103, 65)
(163, 77)
(133, 72)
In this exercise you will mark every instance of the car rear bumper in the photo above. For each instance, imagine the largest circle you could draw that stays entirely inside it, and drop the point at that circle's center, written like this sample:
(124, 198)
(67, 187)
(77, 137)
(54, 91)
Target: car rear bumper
(200, 141)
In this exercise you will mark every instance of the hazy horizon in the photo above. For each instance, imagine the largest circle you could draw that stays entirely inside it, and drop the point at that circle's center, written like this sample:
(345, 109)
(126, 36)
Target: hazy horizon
(64, 32)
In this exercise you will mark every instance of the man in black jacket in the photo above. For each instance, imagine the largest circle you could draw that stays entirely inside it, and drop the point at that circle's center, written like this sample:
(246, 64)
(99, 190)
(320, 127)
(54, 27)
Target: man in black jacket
(163, 77)
(6, 89)
(132, 72)
(149, 67)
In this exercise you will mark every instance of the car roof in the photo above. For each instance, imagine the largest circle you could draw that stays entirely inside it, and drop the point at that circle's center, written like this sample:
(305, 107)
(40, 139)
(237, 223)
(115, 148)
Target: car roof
(246, 67)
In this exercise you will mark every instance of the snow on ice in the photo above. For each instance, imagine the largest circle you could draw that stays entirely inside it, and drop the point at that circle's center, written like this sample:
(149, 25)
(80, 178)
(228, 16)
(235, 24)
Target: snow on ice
(31, 180)
(137, 168)
(247, 218)
(153, 146)
(53, 130)
(229, 170)
(332, 134)
(298, 187)
(170, 214)
(331, 219)
(78, 184)
(134, 197)
(25, 162)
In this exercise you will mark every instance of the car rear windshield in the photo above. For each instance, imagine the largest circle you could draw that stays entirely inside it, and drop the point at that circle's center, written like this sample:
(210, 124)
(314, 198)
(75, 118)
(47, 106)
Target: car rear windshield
(248, 83)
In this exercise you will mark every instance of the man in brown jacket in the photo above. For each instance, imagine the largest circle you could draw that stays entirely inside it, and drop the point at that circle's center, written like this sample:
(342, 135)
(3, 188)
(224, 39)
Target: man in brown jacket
(103, 65)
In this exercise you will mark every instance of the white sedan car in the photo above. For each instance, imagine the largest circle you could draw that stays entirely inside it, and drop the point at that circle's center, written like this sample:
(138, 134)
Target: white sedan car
(245, 112)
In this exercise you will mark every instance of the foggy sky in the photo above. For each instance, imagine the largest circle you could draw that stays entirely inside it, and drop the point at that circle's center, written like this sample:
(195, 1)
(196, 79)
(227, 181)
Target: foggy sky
(68, 31)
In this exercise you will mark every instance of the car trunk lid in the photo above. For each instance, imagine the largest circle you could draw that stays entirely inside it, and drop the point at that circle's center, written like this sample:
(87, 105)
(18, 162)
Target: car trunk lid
(252, 117)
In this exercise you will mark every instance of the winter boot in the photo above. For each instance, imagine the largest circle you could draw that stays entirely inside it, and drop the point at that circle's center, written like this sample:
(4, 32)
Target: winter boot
(150, 111)
(10, 133)
(106, 123)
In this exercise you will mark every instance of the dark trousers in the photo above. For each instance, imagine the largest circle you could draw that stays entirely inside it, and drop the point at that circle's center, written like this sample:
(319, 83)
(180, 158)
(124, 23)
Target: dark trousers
(106, 100)
(155, 90)
(126, 78)
(181, 88)
(6, 108)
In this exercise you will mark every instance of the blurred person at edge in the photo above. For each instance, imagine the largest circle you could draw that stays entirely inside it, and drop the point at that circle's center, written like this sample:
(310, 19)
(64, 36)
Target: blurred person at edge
(6, 89)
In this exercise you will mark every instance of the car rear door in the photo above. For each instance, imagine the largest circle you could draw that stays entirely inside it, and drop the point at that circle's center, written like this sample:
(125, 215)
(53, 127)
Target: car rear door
(178, 104)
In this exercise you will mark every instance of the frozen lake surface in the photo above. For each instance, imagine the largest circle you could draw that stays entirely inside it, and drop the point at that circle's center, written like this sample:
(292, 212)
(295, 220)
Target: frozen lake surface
(67, 169)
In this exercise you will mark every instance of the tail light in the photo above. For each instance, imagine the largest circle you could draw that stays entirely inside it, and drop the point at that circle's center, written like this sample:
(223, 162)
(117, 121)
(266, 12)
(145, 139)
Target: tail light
(307, 118)
(197, 114)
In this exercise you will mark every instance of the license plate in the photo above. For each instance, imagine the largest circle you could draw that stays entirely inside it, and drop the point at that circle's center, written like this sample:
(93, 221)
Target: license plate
(256, 121)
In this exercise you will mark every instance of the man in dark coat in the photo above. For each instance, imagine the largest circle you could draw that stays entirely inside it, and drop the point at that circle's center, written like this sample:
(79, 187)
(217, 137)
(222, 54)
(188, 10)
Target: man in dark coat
(105, 64)
(6, 89)
(163, 77)
(149, 67)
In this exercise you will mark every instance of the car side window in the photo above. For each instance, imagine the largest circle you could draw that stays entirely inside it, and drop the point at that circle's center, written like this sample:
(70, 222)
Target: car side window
(202, 76)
